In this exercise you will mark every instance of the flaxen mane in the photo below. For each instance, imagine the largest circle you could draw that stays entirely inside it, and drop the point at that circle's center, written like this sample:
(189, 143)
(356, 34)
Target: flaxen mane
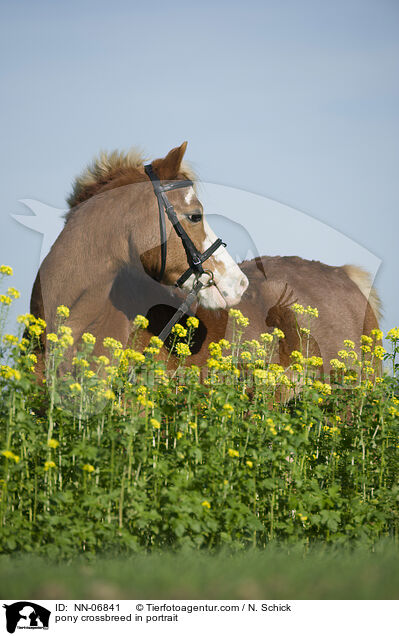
(111, 170)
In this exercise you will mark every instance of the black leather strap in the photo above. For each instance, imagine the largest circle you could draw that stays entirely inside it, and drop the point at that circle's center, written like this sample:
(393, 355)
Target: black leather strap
(180, 281)
(183, 309)
(194, 257)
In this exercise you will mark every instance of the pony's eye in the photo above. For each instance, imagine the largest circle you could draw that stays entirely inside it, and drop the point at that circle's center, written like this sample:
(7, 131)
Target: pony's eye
(194, 218)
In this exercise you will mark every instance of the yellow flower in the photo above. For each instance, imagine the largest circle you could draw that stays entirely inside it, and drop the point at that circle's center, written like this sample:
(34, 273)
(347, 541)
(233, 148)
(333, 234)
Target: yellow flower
(9, 374)
(266, 338)
(224, 344)
(8, 338)
(26, 319)
(206, 504)
(379, 352)
(179, 330)
(53, 443)
(192, 424)
(5, 300)
(88, 468)
(312, 311)
(297, 356)
(349, 343)
(315, 361)
(365, 348)
(321, 387)
(212, 363)
(52, 337)
(377, 334)
(63, 311)
(156, 342)
(393, 334)
(151, 350)
(215, 349)
(228, 408)
(80, 362)
(10, 455)
(111, 343)
(6, 270)
(350, 377)
(249, 463)
(337, 364)
(297, 308)
(137, 357)
(104, 360)
(246, 356)
(305, 331)
(109, 394)
(14, 293)
(35, 330)
(48, 465)
(233, 453)
(88, 338)
(155, 423)
(238, 317)
(278, 333)
(182, 349)
(192, 322)
(66, 341)
(75, 387)
(366, 340)
(141, 322)
(179, 435)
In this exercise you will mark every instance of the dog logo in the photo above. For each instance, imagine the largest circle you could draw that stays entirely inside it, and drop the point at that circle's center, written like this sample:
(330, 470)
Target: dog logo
(26, 615)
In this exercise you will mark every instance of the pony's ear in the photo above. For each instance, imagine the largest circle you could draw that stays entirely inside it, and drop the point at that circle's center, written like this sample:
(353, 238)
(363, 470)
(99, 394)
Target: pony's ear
(169, 166)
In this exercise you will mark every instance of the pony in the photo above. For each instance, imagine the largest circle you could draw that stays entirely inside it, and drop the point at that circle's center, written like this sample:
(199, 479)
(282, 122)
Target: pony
(347, 303)
(110, 249)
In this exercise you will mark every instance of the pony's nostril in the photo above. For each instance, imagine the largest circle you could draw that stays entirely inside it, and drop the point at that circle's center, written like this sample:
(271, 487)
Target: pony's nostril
(225, 294)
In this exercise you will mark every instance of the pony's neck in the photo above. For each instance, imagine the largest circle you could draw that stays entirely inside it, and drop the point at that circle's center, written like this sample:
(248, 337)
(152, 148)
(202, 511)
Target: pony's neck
(99, 239)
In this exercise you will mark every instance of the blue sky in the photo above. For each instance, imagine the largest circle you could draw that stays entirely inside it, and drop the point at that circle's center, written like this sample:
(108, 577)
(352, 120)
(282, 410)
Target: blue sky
(293, 101)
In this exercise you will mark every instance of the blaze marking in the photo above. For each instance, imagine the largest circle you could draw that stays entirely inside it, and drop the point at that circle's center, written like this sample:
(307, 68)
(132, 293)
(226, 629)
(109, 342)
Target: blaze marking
(189, 196)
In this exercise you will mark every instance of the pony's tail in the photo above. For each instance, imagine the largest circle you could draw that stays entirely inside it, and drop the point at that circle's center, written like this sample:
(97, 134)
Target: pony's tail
(362, 279)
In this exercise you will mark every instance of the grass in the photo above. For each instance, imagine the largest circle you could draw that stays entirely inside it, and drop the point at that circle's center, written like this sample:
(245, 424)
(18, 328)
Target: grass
(273, 573)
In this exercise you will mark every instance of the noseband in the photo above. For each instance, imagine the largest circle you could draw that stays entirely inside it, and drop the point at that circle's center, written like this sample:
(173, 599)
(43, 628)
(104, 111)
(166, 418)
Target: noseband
(194, 257)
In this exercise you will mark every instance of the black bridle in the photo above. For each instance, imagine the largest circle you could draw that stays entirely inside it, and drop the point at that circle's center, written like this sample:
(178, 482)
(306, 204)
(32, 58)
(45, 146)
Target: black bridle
(194, 257)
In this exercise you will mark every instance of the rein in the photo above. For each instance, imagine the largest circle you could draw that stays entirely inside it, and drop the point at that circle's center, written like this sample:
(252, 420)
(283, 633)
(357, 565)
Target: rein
(194, 257)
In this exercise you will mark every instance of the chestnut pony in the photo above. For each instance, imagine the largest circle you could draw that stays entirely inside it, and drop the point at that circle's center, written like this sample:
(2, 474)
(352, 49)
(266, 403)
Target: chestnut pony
(109, 250)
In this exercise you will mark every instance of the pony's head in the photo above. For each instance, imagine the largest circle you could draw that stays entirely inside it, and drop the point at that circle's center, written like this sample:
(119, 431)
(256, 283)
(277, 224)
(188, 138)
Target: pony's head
(138, 207)
(228, 283)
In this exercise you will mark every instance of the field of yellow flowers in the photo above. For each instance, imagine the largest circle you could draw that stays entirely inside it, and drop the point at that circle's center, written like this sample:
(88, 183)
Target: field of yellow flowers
(121, 455)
